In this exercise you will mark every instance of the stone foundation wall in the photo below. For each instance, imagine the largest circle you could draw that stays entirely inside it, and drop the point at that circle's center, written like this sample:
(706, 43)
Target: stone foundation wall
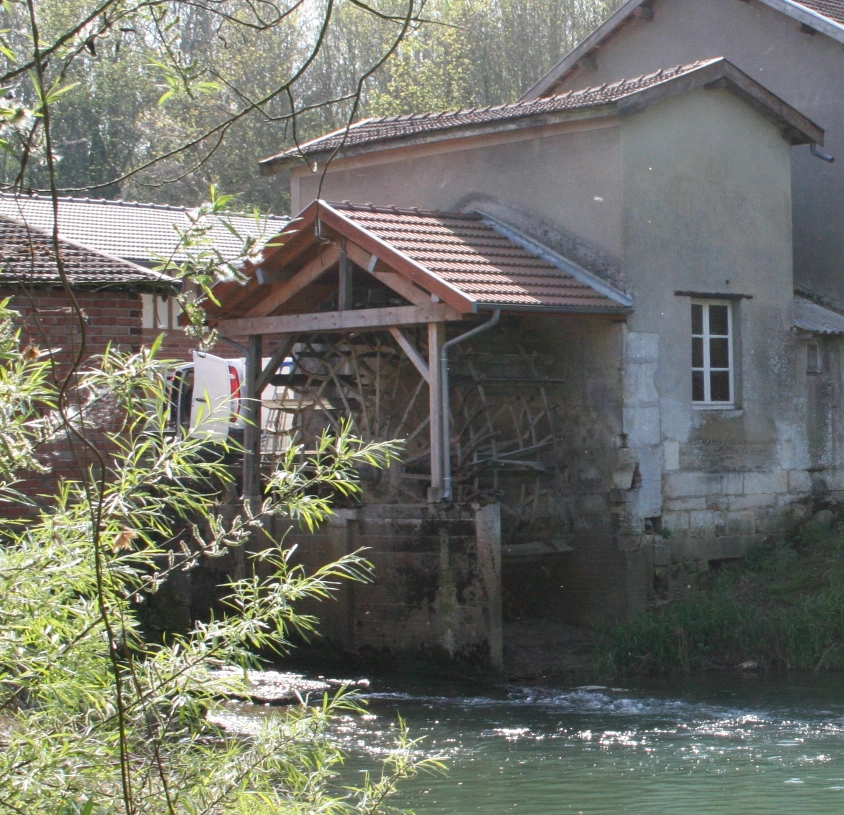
(435, 586)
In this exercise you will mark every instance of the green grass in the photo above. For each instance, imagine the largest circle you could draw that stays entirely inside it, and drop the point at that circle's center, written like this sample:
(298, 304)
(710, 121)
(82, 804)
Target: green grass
(782, 606)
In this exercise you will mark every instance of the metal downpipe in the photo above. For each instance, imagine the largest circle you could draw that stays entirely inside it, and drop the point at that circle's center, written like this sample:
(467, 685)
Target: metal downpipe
(491, 323)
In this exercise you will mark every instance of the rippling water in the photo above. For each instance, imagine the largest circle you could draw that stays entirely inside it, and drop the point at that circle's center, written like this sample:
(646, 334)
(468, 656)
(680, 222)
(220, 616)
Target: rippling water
(725, 745)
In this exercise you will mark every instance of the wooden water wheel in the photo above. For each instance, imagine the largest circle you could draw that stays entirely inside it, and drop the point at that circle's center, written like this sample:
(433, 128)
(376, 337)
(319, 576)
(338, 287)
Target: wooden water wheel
(503, 417)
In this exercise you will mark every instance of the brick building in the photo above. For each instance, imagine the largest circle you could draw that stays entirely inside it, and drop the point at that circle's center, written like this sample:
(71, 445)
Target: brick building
(143, 235)
(108, 292)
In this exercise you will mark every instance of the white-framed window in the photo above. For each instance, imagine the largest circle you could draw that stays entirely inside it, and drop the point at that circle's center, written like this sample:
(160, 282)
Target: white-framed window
(713, 371)
(814, 358)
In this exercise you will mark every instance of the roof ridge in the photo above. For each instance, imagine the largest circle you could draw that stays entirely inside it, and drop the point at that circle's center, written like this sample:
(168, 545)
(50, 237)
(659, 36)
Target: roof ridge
(394, 210)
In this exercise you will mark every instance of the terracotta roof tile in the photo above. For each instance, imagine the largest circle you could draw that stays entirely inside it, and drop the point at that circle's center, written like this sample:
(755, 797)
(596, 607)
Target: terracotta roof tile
(394, 127)
(135, 231)
(26, 255)
(831, 9)
(470, 253)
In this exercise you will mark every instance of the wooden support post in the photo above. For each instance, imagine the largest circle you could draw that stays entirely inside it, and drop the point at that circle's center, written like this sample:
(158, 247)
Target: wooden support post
(345, 297)
(251, 407)
(436, 338)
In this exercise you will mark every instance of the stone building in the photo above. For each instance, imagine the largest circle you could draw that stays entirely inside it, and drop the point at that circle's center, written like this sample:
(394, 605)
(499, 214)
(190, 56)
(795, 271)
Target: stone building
(793, 47)
(676, 409)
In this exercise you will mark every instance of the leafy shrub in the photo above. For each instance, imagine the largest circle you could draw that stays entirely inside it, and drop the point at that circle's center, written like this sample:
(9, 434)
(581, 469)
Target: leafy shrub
(96, 719)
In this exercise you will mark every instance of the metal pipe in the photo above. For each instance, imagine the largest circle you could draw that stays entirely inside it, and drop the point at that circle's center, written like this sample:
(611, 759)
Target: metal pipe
(491, 323)
(818, 153)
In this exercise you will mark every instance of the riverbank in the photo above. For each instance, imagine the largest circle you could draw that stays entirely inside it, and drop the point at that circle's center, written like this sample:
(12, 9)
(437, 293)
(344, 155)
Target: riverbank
(781, 608)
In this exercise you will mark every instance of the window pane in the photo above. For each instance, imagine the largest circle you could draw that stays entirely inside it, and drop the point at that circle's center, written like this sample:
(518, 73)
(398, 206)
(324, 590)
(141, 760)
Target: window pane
(719, 386)
(697, 386)
(697, 352)
(719, 353)
(697, 319)
(718, 320)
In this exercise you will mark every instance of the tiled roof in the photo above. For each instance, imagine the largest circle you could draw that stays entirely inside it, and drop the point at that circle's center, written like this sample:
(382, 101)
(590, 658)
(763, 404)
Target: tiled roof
(26, 255)
(810, 316)
(831, 9)
(395, 127)
(137, 232)
(485, 261)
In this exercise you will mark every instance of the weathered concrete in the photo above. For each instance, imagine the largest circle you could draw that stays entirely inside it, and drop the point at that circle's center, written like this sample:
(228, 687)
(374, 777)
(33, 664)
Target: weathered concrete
(693, 194)
(805, 70)
(436, 583)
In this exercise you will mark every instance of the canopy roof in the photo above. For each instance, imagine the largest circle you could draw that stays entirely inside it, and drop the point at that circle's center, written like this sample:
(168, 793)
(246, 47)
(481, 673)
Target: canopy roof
(809, 316)
(464, 261)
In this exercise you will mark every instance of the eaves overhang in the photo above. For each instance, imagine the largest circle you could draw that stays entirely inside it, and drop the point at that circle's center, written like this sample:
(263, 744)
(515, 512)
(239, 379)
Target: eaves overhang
(276, 164)
(614, 99)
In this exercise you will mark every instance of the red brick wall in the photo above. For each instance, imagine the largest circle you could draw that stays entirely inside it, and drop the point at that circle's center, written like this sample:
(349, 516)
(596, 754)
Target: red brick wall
(48, 321)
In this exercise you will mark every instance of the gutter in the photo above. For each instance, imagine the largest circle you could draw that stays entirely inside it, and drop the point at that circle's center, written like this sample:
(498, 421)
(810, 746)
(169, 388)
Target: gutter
(491, 323)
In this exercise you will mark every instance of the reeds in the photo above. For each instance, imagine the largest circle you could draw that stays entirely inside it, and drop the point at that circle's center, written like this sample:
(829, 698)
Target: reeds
(781, 608)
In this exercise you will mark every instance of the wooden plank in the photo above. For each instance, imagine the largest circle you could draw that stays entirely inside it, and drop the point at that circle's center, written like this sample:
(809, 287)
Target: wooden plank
(345, 294)
(436, 339)
(251, 407)
(277, 296)
(393, 280)
(395, 259)
(412, 353)
(339, 320)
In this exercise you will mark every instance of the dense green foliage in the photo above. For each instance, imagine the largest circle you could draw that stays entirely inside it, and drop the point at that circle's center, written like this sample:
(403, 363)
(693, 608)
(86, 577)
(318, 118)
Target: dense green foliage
(782, 607)
(197, 92)
(95, 718)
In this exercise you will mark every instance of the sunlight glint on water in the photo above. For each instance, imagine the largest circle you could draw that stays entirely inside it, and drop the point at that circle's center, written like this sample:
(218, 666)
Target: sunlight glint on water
(719, 746)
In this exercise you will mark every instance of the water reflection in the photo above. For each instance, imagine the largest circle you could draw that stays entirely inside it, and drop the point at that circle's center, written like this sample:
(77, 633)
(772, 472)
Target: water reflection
(714, 746)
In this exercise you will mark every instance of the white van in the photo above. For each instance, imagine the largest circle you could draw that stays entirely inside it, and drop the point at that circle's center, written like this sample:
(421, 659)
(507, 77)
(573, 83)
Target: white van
(204, 395)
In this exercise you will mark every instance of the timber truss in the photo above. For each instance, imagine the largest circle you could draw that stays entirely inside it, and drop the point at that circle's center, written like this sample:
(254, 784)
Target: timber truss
(408, 324)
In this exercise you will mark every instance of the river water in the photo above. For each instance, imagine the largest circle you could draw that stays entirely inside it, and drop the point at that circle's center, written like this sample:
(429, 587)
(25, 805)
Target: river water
(725, 744)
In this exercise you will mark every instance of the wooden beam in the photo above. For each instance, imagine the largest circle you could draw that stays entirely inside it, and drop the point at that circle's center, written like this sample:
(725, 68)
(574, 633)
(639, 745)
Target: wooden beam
(251, 411)
(339, 320)
(412, 353)
(346, 293)
(393, 280)
(409, 268)
(271, 367)
(327, 257)
(436, 338)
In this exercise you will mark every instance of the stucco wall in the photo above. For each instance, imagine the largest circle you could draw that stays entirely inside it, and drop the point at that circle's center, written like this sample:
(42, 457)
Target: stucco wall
(693, 194)
(707, 210)
(565, 177)
(805, 70)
